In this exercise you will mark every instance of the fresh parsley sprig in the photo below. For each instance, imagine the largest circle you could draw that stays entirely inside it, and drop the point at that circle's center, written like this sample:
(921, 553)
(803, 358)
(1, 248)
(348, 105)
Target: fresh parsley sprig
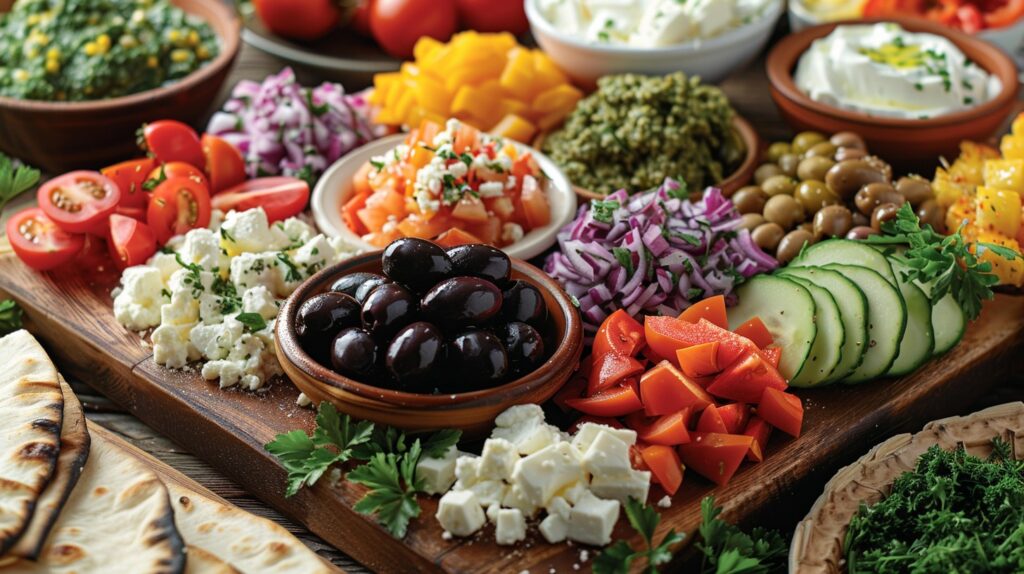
(728, 550)
(617, 558)
(15, 181)
(946, 263)
(393, 485)
(10, 316)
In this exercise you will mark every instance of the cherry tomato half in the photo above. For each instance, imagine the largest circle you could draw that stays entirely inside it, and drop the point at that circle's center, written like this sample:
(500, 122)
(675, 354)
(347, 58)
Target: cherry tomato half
(178, 205)
(80, 201)
(301, 19)
(224, 163)
(398, 24)
(280, 197)
(38, 242)
(176, 169)
(131, 242)
(170, 140)
(491, 16)
(129, 177)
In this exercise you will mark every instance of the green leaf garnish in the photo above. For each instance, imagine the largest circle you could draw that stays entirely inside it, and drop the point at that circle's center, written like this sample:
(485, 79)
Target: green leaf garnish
(616, 559)
(10, 316)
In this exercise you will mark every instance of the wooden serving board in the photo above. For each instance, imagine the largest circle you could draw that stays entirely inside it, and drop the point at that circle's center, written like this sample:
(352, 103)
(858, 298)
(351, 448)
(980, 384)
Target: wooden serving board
(71, 313)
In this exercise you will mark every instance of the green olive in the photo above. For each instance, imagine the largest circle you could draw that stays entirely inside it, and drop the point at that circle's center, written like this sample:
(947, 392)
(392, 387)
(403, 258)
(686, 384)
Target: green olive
(806, 140)
(848, 140)
(784, 210)
(792, 244)
(823, 149)
(779, 185)
(777, 150)
(767, 236)
(813, 195)
(766, 172)
(881, 165)
(915, 188)
(845, 153)
(789, 163)
(749, 199)
(751, 221)
(814, 167)
(832, 221)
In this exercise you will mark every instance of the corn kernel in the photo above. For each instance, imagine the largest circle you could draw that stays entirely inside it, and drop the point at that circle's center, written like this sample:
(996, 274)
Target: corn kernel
(32, 19)
(21, 75)
(53, 53)
(52, 66)
(103, 41)
(173, 35)
(152, 62)
(32, 52)
(128, 41)
(179, 55)
(202, 52)
(193, 38)
(91, 49)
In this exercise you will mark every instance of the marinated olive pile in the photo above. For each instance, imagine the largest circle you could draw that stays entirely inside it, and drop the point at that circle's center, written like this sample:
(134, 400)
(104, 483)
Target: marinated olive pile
(435, 321)
(815, 188)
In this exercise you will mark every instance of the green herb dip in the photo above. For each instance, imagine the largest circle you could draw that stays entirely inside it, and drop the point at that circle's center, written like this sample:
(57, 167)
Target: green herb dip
(635, 131)
(73, 50)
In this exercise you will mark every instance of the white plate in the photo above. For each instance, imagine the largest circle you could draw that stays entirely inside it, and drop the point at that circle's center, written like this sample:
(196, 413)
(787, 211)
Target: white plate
(335, 188)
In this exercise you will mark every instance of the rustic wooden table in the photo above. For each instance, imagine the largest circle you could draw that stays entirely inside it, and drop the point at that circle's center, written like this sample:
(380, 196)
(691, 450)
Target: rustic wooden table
(748, 91)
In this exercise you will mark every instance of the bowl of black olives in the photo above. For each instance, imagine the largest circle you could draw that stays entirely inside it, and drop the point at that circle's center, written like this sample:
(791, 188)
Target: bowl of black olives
(422, 337)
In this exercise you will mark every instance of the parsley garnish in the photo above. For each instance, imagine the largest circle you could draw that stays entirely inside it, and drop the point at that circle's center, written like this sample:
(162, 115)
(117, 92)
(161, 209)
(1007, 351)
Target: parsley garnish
(393, 485)
(252, 321)
(616, 559)
(377, 164)
(683, 192)
(625, 258)
(150, 184)
(225, 234)
(10, 316)
(194, 278)
(14, 182)
(604, 211)
(293, 271)
(728, 550)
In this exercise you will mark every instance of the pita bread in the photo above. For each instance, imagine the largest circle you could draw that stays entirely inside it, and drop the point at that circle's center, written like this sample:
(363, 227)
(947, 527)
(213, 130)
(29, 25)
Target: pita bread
(202, 562)
(32, 407)
(118, 518)
(248, 543)
(74, 450)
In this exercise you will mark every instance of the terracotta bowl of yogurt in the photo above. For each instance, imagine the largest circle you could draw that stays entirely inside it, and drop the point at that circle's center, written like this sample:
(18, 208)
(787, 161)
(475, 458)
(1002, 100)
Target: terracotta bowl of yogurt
(906, 139)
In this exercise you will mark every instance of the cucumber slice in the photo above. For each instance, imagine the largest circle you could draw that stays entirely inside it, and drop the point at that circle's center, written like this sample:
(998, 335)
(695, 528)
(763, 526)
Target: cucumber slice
(846, 252)
(787, 309)
(827, 350)
(887, 319)
(853, 309)
(918, 342)
(949, 323)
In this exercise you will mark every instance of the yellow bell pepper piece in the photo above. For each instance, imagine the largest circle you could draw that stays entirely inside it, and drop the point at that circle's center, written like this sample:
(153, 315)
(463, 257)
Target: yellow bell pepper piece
(1009, 272)
(425, 47)
(561, 98)
(998, 211)
(432, 96)
(1018, 125)
(963, 210)
(1005, 174)
(516, 128)
(1012, 147)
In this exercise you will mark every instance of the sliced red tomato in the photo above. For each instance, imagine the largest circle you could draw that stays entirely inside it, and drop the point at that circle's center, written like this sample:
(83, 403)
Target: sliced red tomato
(350, 211)
(1008, 14)
(39, 242)
(711, 421)
(470, 209)
(773, 355)
(745, 380)
(759, 430)
(80, 201)
(610, 369)
(668, 430)
(756, 331)
(129, 177)
(665, 391)
(168, 170)
(178, 205)
(619, 334)
(131, 242)
(224, 164)
(734, 416)
(782, 410)
(280, 197)
(969, 19)
(666, 335)
(133, 212)
(455, 237)
(699, 360)
(715, 456)
(171, 140)
(614, 402)
(664, 464)
(535, 204)
(711, 309)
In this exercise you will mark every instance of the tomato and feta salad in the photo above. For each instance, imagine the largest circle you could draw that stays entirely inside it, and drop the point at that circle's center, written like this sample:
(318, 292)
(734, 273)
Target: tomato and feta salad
(449, 177)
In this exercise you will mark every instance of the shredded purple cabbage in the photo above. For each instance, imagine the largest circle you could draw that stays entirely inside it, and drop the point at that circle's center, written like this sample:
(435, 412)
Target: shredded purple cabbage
(283, 128)
(654, 253)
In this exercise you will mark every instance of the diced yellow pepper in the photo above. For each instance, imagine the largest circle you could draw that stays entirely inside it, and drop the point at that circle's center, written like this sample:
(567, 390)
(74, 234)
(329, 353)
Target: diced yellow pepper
(404, 104)
(432, 96)
(382, 85)
(998, 211)
(561, 98)
(960, 212)
(1005, 174)
(516, 128)
(547, 73)
(1010, 272)
(1012, 147)
(517, 77)
(424, 47)
(471, 101)
(511, 106)
(1018, 125)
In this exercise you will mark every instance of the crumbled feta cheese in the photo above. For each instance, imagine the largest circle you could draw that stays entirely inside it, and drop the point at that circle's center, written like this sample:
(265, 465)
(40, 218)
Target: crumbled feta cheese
(459, 512)
(589, 431)
(665, 502)
(607, 455)
(467, 471)
(171, 346)
(511, 232)
(630, 484)
(489, 492)
(316, 254)
(249, 232)
(437, 474)
(137, 306)
(543, 474)
(593, 519)
(510, 527)
(202, 247)
(296, 230)
(559, 506)
(514, 498)
(166, 263)
(492, 189)
(259, 300)
(497, 460)
(303, 401)
(554, 528)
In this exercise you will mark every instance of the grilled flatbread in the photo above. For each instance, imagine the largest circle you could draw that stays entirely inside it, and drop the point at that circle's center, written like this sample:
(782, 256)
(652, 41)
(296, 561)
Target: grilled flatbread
(32, 407)
(248, 543)
(118, 519)
(74, 450)
(202, 562)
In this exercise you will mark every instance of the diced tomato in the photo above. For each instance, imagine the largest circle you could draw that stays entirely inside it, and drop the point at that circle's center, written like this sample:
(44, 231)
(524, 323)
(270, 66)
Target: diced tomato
(224, 164)
(619, 334)
(663, 461)
(715, 456)
(372, 217)
(535, 203)
(489, 231)
(653, 358)
(756, 331)
(470, 209)
(782, 410)
(609, 369)
(772, 355)
(361, 180)
(1006, 15)
(666, 335)
(699, 360)
(424, 228)
(79, 201)
(350, 212)
(711, 309)
(636, 458)
(131, 242)
(759, 430)
(746, 380)
(638, 420)
(606, 421)
(614, 402)
(465, 138)
(711, 421)
(454, 237)
(571, 390)
(280, 197)
(665, 390)
(969, 19)
(735, 416)
(667, 430)
(129, 177)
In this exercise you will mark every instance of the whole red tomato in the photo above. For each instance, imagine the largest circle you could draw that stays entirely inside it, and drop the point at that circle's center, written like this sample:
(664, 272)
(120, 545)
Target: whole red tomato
(398, 24)
(494, 15)
(299, 19)
(360, 17)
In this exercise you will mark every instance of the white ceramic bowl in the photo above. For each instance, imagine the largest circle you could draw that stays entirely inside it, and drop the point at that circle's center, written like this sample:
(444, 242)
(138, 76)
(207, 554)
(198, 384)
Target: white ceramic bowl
(712, 59)
(335, 188)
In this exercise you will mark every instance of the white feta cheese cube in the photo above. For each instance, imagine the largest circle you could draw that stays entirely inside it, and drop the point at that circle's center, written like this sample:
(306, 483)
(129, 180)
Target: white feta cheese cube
(249, 270)
(518, 414)
(459, 512)
(554, 528)
(560, 507)
(260, 300)
(492, 189)
(633, 484)
(437, 474)
(546, 472)
(171, 346)
(514, 498)
(592, 520)
(511, 232)
(314, 255)
(489, 492)
(137, 306)
(216, 341)
(587, 432)
(510, 527)
(497, 460)
(467, 470)
(528, 436)
(249, 232)
(492, 513)
(166, 263)
(202, 247)
(607, 455)
(296, 230)
(574, 492)
(211, 308)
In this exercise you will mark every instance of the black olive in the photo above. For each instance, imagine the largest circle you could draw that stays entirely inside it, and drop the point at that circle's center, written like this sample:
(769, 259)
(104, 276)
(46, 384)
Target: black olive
(366, 287)
(354, 353)
(321, 317)
(462, 301)
(525, 347)
(481, 261)
(416, 263)
(524, 302)
(350, 284)
(415, 352)
(478, 356)
(387, 309)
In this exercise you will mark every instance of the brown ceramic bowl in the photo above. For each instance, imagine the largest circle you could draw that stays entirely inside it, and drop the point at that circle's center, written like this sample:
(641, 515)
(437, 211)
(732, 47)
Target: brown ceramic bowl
(472, 412)
(904, 142)
(60, 136)
(739, 177)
